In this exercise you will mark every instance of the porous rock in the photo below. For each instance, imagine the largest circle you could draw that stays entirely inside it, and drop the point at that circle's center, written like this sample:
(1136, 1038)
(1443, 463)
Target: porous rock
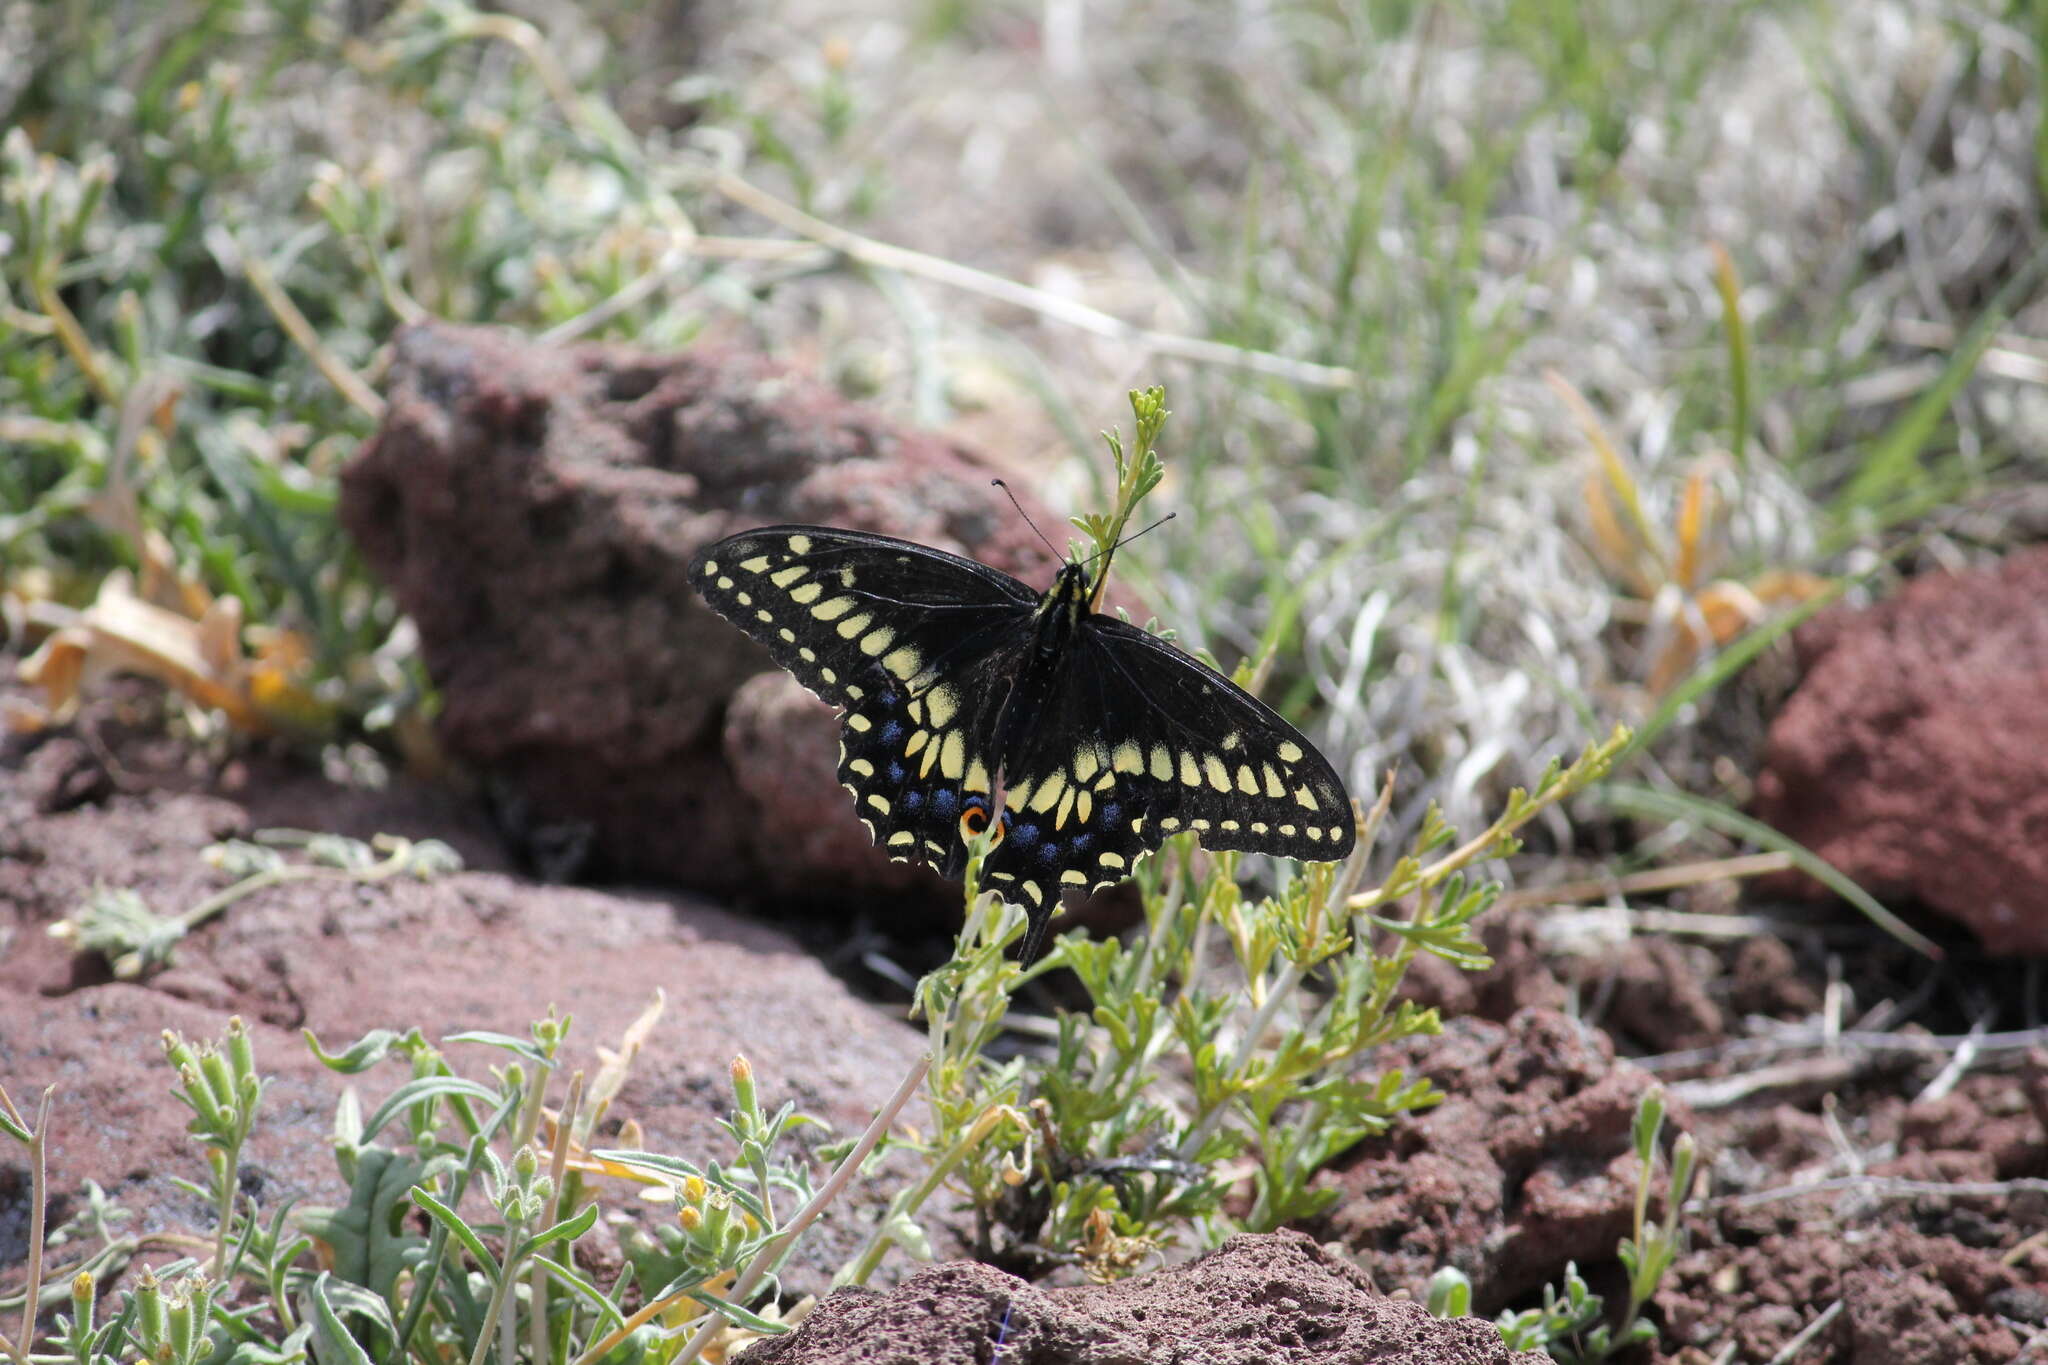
(1256, 1300)
(1526, 1165)
(534, 509)
(1914, 754)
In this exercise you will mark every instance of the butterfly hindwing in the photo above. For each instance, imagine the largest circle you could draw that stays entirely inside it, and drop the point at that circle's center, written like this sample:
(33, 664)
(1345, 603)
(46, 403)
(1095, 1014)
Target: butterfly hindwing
(1142, 741)
(1246, 778)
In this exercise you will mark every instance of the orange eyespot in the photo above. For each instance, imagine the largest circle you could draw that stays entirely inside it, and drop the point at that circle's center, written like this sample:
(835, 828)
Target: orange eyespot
(974, 820)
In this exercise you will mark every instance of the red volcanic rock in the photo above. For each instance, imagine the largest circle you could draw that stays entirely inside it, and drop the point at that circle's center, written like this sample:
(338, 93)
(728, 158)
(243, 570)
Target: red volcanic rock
(535, 509)
(1914, 755)
(1526, 1165)
(1256, 1300)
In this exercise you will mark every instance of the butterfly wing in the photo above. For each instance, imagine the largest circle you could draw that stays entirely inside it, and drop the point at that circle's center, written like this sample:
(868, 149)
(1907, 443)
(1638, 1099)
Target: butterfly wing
(1140, 741)
(912, 642)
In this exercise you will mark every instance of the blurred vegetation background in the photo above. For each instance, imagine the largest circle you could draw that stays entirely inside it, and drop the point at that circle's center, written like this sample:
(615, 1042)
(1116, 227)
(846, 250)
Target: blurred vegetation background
(1525, 354)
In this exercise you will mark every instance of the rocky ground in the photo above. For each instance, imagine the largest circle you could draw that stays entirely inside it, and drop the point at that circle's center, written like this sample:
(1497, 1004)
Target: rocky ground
(1874, 1125)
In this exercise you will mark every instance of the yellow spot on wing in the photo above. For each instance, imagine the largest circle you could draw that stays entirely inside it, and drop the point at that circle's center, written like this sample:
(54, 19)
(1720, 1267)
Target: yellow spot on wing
(782, 578)
(875, 641)
(1304, 797)
(879, 802)
(953, 755)
(1247, 780)
(902, 838)
(1085, 764)
(862, 767)
(1111, 860)
(710, 566)
(1275, 788)
(977, 778)
(806, 593)
(1190, 771)
(1074, 878)
(854, 625)
(726, 584)
(1315, 833)
(758, 564)
(942, 702)
(1219, 776)
(1015, 798)
(799, 545)
(1162, 763)
(1059, 821)
(916, 742)
(1127, 758)
(858, 722)
(1046, 794)
(1084, 805)
(833, 610)
(1290, 751)
(902, 663)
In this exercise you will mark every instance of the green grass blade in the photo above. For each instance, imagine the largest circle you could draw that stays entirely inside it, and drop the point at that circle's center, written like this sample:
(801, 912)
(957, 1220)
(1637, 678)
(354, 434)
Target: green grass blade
(1893, 461)
(1730, 287)
(1648, 803)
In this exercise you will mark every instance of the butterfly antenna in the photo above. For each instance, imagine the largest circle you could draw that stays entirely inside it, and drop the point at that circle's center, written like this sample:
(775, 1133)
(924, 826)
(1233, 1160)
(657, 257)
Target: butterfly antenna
(1027, 519)
(1102, 578)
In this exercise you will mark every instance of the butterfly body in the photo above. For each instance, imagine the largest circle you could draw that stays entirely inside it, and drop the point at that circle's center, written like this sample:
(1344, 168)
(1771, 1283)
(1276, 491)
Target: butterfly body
(968, 698)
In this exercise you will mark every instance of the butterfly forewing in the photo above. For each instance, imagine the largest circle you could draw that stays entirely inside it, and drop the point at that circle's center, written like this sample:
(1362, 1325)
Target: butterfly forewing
(843, 610)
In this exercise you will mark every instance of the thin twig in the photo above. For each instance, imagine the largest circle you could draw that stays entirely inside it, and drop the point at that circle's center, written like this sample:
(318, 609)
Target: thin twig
(1654, 879)
(1723, 1091)
(1791, 1349)
(347, 381)
(1793, 1040)
(771, 1255)
(1886, 1188)
(886, 256)
(1965, 1056)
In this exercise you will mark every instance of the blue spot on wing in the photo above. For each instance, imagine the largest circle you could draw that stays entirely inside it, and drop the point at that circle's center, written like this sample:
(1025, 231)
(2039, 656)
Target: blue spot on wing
(945, 801)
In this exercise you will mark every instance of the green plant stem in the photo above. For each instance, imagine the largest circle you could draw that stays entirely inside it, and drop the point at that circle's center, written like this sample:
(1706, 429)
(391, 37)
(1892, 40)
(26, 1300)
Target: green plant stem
(909, 1201)
(771, 1255)
(129, 965)
(558, 1164)
(496, 1328)
(1281, 989)
(38, 1179)
(230, 1163)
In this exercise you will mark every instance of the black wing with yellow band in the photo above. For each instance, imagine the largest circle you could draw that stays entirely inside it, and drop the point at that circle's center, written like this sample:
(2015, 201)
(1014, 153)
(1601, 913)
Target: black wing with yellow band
(970, 698)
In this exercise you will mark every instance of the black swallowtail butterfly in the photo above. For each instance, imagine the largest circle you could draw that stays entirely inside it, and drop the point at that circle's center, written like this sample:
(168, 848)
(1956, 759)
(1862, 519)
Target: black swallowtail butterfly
(968, 696)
